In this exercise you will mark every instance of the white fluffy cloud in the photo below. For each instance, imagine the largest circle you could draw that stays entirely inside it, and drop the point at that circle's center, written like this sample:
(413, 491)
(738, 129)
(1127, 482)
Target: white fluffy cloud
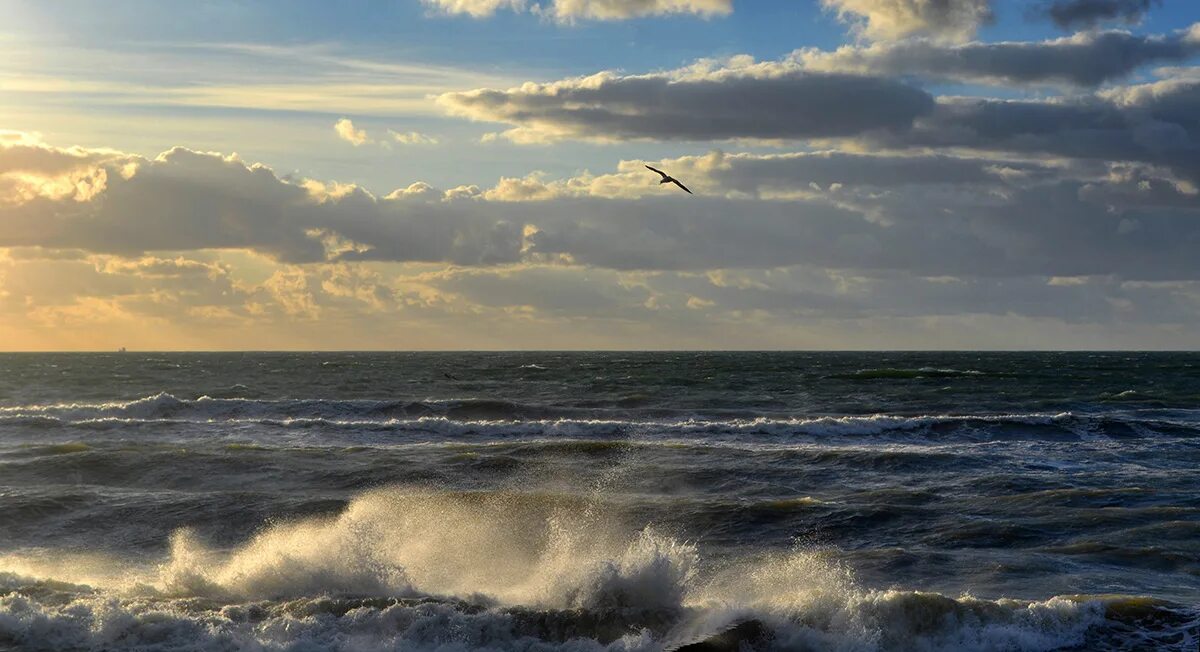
(346, 130)
(955, 20)
(475, 8)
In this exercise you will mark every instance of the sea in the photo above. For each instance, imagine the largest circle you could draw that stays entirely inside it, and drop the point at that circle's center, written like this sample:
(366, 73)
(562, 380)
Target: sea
(617, 501)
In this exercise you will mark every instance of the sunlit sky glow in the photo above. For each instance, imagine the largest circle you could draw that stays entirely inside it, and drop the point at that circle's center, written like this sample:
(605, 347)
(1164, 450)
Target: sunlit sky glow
(468, 174)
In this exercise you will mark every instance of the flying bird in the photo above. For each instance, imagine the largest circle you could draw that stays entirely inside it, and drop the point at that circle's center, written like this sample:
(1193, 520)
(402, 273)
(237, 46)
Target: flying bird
(666, 178)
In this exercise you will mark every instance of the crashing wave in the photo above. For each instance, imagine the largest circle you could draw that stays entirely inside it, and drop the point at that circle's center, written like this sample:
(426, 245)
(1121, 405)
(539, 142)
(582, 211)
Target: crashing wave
(420, 571)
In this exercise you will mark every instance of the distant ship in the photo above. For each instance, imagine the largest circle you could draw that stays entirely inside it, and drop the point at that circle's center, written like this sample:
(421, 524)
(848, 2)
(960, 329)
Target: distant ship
(121, 350)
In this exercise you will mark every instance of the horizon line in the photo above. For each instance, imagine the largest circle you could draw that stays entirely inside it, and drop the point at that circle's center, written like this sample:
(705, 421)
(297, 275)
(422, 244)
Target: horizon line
(613, 350)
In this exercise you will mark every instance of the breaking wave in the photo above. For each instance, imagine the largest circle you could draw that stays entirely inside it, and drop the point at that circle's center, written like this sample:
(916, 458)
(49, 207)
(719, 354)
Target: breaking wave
(511, 571)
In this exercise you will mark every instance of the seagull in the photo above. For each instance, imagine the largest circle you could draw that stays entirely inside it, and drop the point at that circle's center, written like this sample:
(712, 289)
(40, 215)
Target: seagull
(449, 376)
(666, 178)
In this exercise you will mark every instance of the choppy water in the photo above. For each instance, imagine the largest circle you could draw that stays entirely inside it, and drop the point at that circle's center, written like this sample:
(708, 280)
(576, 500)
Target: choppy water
(619, 501)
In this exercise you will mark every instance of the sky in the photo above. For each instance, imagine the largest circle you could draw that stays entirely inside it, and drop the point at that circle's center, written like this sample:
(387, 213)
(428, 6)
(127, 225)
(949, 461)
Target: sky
(469, 174)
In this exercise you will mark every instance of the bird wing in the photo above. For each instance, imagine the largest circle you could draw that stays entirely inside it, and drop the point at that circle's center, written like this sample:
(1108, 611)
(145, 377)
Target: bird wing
(685, 188)
(664, 174)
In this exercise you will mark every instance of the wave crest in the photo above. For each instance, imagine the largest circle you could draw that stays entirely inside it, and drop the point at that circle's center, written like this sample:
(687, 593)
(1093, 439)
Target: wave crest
(493, 418)
(494, 549)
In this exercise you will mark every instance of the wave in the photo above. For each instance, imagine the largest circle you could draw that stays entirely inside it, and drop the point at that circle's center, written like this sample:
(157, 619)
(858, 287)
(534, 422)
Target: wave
(417, 571)
(1141, 397)
(168, 406)
(896, 373)
(889, 621)
(493, 418)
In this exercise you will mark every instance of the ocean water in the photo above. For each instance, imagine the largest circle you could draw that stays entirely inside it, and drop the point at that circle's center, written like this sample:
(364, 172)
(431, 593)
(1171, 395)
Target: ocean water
(600, 501)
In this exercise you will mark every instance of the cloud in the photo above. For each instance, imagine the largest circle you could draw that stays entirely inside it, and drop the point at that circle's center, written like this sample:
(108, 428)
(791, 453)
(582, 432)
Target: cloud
(777, 243)
(475, 8)
(770, 100)
(63, 287)
(784, 101)
(568, 11)
(412, 138)
(571, 10)
(929, 215)
(1086, 59)
(1069, 14)
(346, 131)
(186, 200)
(179, 302)
(881, 20)
(72, 304)
(247, 77)
(1069, 219)
(973, 234)
(158, 268)
(800, 174)
(29, 169)
(1157, 122)
(26, 154)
